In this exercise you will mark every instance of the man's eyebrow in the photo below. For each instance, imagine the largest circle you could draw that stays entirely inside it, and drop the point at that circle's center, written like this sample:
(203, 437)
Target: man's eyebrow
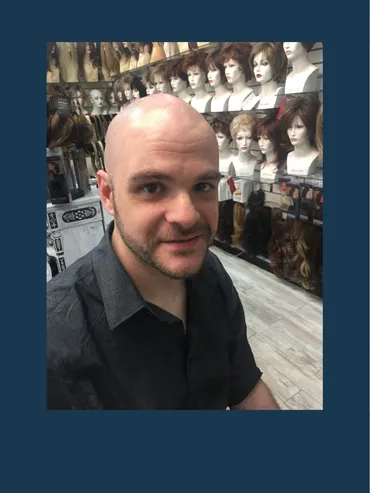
(155, 175)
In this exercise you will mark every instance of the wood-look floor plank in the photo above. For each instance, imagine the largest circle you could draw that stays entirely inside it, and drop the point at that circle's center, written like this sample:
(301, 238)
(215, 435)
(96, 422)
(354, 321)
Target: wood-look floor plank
(320, 374)
(303, 401)
(302, 378)
(259, 308)
(281, 387)
(311, 313)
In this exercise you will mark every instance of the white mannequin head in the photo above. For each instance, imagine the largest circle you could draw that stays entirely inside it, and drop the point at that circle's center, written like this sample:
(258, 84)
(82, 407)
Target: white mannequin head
(135, 94)
(222, 141)
(128, 92)
(296, 50)
(161, 84)
(244, 140)
(96, 98)
(297, 132)
(265, 144)
(197, 77)
(214, 77)
(177, 84)
(111, 100)
(262, 69)
(234, 73)
(150, 88)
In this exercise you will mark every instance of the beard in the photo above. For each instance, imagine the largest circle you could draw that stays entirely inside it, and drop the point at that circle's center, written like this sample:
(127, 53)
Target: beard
(146, 251)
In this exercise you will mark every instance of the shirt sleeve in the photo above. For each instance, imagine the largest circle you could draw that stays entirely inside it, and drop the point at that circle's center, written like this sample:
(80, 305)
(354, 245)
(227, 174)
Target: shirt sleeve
(244, 372)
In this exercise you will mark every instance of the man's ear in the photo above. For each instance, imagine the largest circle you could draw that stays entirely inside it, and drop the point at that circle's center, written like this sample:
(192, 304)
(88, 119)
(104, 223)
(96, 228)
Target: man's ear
(105, 189)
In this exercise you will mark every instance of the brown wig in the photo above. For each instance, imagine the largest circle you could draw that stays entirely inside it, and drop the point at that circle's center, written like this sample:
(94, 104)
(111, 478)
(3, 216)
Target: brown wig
(143, 44)
(72, 93)
(134, 50)
(52, 54)
(81, 51)
(319, 132)
(176, 70)
(307, 109)
(239, 52)
(119, 87)
(195, 58)
(275, 54)
(163, 70)
(137, 85)
(221, 124)
(214, 61)
(308, 46)
(109, 58)
(269, 127)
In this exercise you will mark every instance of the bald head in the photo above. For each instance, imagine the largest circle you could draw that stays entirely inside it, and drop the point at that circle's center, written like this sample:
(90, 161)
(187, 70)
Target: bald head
(161, 117)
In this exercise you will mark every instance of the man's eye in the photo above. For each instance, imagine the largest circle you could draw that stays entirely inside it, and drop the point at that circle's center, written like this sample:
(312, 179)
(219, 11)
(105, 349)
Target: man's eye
(204, 187)
(152, 188)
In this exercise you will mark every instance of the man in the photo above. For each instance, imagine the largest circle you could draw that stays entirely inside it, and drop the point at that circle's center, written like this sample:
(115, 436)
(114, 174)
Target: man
(150, 319)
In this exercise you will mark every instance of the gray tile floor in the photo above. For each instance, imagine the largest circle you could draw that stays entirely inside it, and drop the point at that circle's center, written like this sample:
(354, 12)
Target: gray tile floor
(284, 327)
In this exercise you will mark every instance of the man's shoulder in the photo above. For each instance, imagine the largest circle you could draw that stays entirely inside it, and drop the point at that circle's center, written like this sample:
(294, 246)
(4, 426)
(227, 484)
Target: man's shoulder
(213, 266)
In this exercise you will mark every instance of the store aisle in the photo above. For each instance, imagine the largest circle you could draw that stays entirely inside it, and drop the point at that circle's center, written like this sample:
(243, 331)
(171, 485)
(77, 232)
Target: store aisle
(284, 326)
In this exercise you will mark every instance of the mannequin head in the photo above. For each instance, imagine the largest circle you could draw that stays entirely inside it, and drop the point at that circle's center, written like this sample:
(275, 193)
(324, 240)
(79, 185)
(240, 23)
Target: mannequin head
(221, 127)
(138, 88)
(268, 62)
(236, 62)
(150, 87)
(126, 86)
(110, 58)
(295, 50)
(319, 125)
(119, 92)
(78, 98)
(160, 77)
(241, 130)
(298, 120)
(178, 78)
(267, 133)
(52, 54)
(110, 99)
(216, 70)
(196, 68)
(96, 98)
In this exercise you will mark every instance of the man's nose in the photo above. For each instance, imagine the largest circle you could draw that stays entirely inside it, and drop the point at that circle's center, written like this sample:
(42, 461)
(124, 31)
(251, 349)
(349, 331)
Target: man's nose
(181, 211)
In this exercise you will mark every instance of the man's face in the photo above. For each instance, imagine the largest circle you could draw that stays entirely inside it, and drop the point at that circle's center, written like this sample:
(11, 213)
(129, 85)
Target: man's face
(165, 199)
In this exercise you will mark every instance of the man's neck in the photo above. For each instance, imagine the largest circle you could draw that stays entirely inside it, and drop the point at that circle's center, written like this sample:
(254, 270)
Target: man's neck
(154, 286)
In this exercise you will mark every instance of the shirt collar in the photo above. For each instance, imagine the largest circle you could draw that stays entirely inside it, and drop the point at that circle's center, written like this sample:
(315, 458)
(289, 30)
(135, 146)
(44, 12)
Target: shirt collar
(120, 296)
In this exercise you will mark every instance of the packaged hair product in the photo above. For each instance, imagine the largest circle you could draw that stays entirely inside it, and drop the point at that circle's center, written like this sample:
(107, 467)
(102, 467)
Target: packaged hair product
(306, 208)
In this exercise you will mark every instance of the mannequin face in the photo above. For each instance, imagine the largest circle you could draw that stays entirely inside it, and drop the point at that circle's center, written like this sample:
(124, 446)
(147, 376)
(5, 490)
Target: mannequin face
(77, 101)
(136, 94)
(262, 68)
(96, 98)
(162, 85)
(128, 92)
(196, 76)
(297, 132)
(214, 77)
(177, 84)
(150, 89)
(293, 50)
(244, 140)
(112, 100)
(266, 146)
(233, 71)
(222, 141)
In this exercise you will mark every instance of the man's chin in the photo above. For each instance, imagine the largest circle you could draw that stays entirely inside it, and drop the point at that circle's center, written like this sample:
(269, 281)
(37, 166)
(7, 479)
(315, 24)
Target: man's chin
(181, 267)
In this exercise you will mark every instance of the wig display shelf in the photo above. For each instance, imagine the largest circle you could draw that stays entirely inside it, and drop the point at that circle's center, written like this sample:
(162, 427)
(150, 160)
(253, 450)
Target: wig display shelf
(259, 261)
(76, 228)
(315, 180)
(140, 70)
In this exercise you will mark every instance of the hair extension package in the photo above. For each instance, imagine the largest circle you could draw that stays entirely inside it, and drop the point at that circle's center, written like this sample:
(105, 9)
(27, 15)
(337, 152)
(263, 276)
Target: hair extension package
(290, 198)
(318, 203)
(307, 204)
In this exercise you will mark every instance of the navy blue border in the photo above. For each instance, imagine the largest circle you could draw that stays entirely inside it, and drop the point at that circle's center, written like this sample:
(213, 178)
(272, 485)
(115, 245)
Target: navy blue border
(287, 451)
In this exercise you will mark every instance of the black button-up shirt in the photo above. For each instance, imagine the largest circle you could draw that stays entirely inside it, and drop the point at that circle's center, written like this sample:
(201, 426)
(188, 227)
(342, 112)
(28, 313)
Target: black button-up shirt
(107, 348)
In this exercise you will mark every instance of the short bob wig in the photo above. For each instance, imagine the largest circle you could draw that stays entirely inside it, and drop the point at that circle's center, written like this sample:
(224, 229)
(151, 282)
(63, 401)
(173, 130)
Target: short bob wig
(275, 54)
(221, 124)
(239, 52)
(269, 127)
(245, 122)
(214, 61)
(307, 109)
(195, 58)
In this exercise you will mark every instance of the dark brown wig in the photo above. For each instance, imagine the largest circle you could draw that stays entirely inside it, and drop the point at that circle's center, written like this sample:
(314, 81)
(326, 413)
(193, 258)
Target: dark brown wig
(195, 58)
(275, 54)
(176, 70)
(239, 52)
(307, 109)
(163, 70)
(221, 124)
(214, 61)
(269, 127)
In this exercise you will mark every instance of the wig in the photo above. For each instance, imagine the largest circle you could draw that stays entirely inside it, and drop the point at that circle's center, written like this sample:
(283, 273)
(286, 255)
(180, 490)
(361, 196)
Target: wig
(225, 228)
(67, 57)
(214, 61)
(195, 58)
(319, 132)
(221, 124)
(240, 52)
(81, 51)
(134, 50)
(110, 60)
(269, 127)
(307, 109)
(137, 85)
(52, 54)
(275, 54)
(73, 93)
(145, 44)
(107, 95)
(244, 121)
(257, 231)
(308, 46)
(119, 87)
(162, 70)
(176, 70)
